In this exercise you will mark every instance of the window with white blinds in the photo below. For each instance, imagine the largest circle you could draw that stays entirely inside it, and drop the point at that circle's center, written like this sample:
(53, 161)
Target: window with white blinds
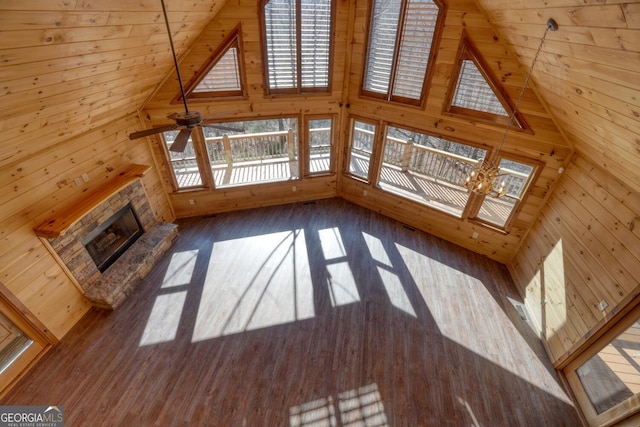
(397, 61)
(223, 76)
(473, 91)
(298, 45)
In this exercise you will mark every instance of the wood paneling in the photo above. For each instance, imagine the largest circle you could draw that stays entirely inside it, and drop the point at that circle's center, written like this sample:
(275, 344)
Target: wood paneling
(582, 250)
(587, 73)
(73, 76)
(546, 144)
(342, 310)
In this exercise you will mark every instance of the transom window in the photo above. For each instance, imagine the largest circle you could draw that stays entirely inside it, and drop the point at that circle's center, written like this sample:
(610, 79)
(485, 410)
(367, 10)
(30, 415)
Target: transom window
(476, 94)
(221, 76)
(297, 42)
(400, 46)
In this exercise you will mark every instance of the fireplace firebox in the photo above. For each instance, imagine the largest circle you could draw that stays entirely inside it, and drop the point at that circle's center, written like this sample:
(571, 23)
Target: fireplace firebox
(113, 237)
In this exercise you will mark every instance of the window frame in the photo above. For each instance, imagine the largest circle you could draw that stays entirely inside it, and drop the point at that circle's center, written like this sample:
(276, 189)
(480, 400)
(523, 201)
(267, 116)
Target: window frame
(307, 145)
(233, 40)
(476, 201)
(197, 142)
(626, 410)
(373, 171)
(435, 43)
(467, 51)
(298, 89)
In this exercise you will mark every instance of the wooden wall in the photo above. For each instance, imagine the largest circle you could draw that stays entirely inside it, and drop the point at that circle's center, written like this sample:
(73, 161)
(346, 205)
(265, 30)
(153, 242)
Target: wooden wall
(38, 186)
(254, 105)
(72, 77)
(588, 73)
(546, 144)
(583, 249)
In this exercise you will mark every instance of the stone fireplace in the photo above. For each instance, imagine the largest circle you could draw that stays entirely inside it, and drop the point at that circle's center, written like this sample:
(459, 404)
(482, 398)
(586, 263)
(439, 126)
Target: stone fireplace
(112, 238)
(109, 241)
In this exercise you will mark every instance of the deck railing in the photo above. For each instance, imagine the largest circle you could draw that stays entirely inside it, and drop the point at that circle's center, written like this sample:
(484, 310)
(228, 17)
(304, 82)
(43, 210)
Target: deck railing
(251, 147)
(443, 166)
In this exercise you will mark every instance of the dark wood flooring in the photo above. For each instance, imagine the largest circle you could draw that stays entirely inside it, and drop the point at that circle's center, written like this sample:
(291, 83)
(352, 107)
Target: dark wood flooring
(319, 314)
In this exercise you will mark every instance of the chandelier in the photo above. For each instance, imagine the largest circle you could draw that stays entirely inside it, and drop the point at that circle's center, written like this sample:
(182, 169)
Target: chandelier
(484, 179)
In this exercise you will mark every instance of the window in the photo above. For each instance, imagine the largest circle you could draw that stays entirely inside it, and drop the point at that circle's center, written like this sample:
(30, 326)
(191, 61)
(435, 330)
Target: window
(428, 169)
(475, 93)
(319, 146)
(183, 165)
(221, 76)
(399, 49)
(250, 152)
(605, 378)
(516, 176)
(297, 42)
(361, 147)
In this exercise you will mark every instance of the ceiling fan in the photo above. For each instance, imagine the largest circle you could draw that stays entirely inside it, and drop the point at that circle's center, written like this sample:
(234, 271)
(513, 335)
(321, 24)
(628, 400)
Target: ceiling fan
(186, 121)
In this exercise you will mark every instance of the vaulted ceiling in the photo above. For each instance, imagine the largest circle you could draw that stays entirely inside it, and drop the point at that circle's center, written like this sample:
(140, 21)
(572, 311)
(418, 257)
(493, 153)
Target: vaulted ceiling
(70, 66)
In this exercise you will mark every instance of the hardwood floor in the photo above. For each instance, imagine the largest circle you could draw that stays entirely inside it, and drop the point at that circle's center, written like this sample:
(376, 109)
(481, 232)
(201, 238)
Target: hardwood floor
(318, 314)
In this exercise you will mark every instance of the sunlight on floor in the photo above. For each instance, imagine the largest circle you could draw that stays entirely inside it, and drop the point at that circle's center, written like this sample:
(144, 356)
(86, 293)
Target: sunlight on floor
(164, 319)
(270, 285)
(341, 283)
(356, 408)
(450, 317)
(390, 280)
(180, 269)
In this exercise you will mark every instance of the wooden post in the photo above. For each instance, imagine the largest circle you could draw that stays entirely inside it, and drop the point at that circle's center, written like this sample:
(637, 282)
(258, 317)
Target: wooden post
(227, 149)
(290, 145)
(406, 156)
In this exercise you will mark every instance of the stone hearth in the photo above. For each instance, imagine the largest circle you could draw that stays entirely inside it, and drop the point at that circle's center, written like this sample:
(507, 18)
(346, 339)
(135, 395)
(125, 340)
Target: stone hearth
(110, 288)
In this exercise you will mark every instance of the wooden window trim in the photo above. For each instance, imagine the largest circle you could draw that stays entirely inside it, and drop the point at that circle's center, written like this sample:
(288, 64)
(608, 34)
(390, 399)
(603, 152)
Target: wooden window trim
(234, 39)
(298, 90)
(306, 149)
(376, 138)
(476, 203)
(426, 85)
(468, 51)
(198, 146)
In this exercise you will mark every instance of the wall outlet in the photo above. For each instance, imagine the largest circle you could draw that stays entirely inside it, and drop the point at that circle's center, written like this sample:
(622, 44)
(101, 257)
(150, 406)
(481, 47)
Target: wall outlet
(475, 235)
(602, 306)
(294, 189)
(192, 202)
(85, 177)
(78, 182)
(365, 192)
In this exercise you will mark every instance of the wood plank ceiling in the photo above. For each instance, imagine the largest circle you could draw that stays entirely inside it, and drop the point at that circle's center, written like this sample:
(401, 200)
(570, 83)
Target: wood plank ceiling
(588, 74)
(109, 56)
(69, 66)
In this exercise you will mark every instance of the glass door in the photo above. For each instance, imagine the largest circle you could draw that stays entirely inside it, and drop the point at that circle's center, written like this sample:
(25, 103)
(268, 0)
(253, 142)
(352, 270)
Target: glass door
(606, 377)
(21, 344)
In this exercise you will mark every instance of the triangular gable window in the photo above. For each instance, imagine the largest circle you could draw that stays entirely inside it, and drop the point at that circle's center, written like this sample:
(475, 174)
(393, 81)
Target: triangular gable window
(476, 94)
(221, 75)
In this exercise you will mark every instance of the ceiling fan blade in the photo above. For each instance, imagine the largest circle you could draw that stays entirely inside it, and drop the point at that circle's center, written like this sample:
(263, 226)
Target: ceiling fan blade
(152, 131)
(215, 115)
(223, 127)
(180, 143)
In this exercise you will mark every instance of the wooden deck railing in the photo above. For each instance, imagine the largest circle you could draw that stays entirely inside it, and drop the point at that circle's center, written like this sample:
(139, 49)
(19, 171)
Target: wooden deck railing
(251, 147)
(441, 165)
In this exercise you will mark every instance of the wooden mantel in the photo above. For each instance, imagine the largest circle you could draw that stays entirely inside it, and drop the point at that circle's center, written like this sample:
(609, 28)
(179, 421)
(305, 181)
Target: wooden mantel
(56, 225)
